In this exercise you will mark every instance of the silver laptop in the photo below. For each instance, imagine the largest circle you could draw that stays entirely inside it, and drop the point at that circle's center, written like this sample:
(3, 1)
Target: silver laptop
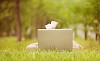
(50, 39)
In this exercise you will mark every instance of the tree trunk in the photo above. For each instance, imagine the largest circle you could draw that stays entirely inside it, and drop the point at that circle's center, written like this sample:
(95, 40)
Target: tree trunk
(86, 31)
(98, 37)
(85, 35)
(18, 21)
(98, 32)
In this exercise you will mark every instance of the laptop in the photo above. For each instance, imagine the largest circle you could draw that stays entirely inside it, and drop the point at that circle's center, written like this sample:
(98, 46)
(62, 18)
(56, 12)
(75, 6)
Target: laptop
(59, 39)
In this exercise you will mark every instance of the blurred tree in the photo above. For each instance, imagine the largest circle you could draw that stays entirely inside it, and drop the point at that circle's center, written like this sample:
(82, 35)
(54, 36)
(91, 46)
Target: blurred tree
(86, 14)
(82, 14)
(96, 17)
(18, 21)
(6, 16)
(35, 14)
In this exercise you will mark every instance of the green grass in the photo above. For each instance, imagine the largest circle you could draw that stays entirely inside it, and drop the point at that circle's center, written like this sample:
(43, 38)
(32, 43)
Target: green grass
(15, 55)
(12, 43)
(88, 44)
(11, 50)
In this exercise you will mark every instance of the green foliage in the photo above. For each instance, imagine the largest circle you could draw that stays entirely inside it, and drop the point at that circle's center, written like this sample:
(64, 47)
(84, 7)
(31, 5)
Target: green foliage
(6, 15)
(36, 14)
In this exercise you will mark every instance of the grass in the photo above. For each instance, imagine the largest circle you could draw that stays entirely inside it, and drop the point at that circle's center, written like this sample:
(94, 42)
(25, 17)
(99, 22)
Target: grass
(89, 43)
(11, 50)
(15, 55)
(12, 43)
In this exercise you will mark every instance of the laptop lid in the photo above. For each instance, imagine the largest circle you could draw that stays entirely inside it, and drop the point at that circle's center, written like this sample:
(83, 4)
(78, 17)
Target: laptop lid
(60, 39)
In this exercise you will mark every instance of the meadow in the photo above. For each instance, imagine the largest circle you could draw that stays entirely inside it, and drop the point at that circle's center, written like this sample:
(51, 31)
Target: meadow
(12, 50)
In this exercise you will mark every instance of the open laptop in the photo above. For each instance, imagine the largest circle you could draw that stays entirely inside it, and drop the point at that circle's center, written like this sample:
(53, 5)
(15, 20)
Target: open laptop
(50, 39)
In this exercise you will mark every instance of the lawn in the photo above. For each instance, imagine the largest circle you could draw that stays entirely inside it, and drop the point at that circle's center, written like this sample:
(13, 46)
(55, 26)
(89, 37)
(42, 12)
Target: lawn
(11, 50)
